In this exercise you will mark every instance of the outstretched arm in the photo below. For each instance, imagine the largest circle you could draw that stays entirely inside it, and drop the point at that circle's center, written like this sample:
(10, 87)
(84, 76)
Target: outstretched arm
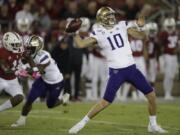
(134, 32)
(137, 31)
(83, 43)
(34, 67)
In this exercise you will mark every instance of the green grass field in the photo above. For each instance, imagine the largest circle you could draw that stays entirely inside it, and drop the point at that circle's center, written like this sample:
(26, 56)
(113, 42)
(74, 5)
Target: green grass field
(119, 119)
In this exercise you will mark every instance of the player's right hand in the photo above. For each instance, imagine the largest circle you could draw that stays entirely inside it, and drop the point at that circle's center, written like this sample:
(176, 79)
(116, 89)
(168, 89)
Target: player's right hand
(141, 21)
(36, 75)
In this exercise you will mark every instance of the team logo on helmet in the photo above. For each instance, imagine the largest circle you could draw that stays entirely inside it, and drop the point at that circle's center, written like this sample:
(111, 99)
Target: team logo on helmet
(12, 41)
(106, 17)
(34, 45)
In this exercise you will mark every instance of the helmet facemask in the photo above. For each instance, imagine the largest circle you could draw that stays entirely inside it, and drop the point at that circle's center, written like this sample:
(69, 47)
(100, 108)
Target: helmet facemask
(152, 32)
(23, 25)
(170, 28)
(169, 25)
(109, 20)
(30, 50)
(151, 29)
(17, 47)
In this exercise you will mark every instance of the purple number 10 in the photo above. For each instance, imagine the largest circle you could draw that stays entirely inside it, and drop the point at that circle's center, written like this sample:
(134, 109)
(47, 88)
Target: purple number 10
(118, 41)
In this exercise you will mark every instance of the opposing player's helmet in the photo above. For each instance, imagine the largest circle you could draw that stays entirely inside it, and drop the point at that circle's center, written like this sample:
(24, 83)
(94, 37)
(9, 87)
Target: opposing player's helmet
(169, 25)
(23, 24)
(85, 24)
(12, 41)
(106, 17)
(151, 29)
(34, 44)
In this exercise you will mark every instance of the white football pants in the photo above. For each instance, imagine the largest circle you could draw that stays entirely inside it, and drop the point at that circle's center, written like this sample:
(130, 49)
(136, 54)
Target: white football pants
(97, 73)
(170, 69)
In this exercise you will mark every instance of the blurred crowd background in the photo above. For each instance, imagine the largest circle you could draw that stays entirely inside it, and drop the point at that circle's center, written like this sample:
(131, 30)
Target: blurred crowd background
(47, 18)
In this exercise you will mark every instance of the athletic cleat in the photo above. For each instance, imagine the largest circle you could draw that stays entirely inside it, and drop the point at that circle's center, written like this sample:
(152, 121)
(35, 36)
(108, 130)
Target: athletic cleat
(76, 128)
(19, 122)
(169, 98)
(156, 129)
(65, 98)
(134, 96)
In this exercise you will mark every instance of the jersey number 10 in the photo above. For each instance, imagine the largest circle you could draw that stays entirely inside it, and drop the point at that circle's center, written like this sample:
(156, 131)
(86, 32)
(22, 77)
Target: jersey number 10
(117, 40)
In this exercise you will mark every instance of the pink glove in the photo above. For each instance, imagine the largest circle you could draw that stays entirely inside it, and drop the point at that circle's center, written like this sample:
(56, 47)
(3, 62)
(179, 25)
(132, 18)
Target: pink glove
(36, 75)
(21, 73)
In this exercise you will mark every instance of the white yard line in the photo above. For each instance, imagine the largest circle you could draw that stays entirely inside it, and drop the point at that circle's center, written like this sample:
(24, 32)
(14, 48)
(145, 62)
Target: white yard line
(101, 122)
(72, 119)
(35, 112)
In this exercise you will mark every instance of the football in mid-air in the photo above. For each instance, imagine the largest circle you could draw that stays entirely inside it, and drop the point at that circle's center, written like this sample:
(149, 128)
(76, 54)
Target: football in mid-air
(73, 25)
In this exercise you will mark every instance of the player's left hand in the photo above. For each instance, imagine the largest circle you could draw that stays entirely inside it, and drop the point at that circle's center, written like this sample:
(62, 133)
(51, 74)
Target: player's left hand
(141, 21)
(21, 73)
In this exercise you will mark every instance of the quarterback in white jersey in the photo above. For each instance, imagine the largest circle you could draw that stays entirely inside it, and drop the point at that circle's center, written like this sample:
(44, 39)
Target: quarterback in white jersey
(48, 79)
(110, 41)
(112, 37)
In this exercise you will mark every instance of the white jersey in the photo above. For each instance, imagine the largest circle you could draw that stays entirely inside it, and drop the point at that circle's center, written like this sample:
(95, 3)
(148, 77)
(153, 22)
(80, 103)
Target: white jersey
(115, 45)
(52, 74)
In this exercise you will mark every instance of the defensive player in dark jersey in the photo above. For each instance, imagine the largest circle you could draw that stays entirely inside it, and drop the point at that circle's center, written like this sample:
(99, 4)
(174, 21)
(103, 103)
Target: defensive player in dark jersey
(10, 59)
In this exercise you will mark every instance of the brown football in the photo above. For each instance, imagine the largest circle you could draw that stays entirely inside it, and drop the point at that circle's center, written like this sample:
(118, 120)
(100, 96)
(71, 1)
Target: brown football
(73, 25)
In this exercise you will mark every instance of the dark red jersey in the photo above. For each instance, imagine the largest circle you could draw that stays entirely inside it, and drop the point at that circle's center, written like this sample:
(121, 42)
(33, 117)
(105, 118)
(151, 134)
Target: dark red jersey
(10, 61)
(152, 47)
(97, 52)
(169, 42)
(136, 47)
